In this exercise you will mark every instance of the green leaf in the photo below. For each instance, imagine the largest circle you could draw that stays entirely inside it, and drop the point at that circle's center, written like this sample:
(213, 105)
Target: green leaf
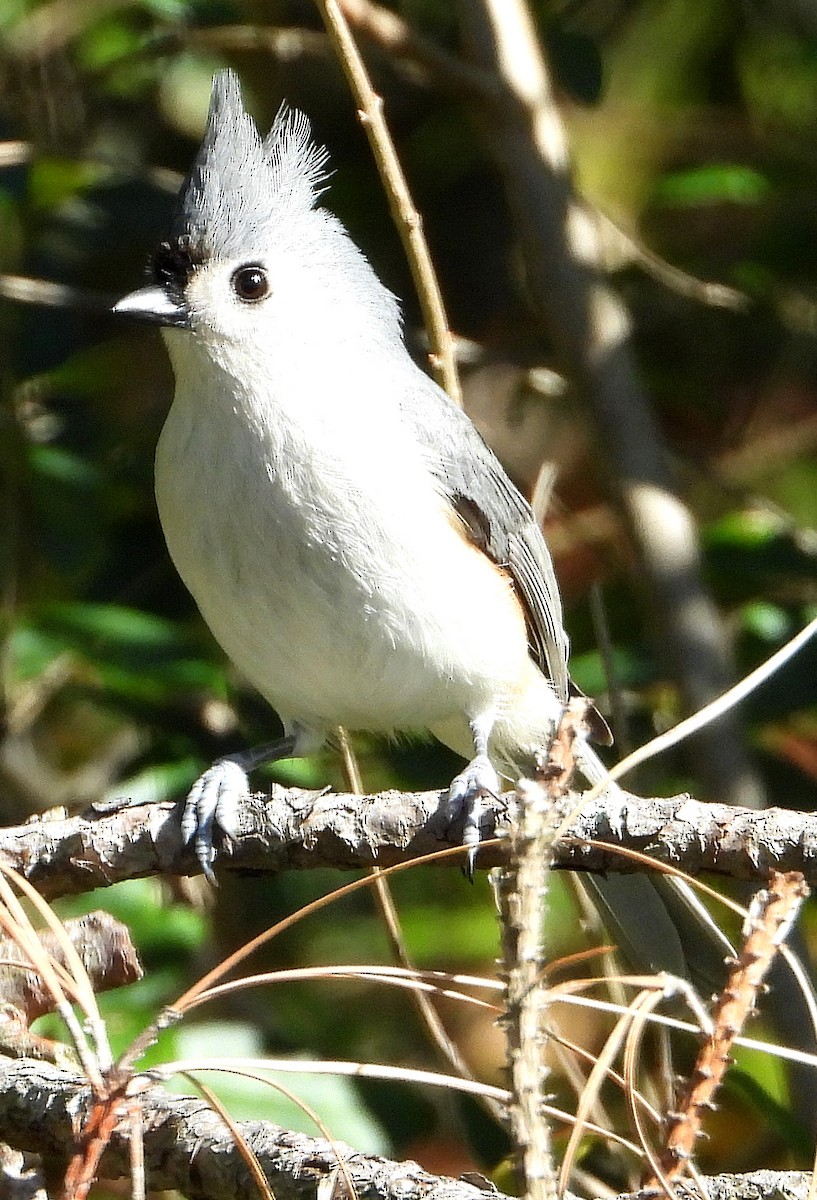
(745, 527)
(31, 650)
(133, 654)
(590, 672)
(720, 183)
(92, 371)
(52, 181)
(334, 1098)
(127, 629)
(760, 1080)
(67, 493)
(767, 621)
(108, 41)
(160, 929)
(64, 466)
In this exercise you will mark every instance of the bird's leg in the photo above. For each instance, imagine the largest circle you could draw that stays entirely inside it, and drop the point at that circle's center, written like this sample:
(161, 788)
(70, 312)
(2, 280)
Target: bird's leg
(215, 796)
(479, 779)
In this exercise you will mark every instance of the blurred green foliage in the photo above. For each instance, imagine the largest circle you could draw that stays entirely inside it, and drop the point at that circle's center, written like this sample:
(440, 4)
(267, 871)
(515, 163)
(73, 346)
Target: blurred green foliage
(693, 127)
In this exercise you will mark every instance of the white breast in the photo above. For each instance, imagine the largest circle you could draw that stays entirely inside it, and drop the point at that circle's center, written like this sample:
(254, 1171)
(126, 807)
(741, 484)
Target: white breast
(324, 560)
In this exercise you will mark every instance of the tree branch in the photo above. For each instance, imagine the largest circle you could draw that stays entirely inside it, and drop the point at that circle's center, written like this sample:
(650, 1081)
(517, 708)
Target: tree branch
(296, 829)
(189, 1149)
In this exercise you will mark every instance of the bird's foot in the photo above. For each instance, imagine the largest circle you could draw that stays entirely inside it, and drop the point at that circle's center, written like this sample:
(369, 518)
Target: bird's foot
(213, 801)
(215, 797)
(465, 796)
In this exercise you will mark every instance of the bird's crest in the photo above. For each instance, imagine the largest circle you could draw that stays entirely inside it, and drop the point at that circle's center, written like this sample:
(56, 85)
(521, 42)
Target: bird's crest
(241, 184)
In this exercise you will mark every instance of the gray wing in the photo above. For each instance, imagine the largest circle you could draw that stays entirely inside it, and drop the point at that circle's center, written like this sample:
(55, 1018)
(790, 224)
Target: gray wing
(496, 516)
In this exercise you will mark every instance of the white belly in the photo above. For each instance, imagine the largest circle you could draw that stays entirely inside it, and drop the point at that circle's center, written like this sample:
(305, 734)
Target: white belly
(331, 573)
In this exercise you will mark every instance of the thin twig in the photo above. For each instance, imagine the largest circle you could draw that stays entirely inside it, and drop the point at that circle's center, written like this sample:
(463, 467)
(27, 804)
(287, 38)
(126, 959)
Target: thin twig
(770, 919)
(405, 215)
(26, 290)
(429, 1016)
(451, 74)
(521, 889)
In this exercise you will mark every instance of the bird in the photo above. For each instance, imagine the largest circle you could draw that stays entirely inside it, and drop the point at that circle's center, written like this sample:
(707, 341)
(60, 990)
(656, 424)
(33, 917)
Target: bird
(353, 544)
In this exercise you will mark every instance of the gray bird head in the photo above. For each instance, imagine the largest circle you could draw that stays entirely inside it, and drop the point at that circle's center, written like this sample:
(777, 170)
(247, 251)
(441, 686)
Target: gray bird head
(246, 230)
(239, 188)
(240, 185)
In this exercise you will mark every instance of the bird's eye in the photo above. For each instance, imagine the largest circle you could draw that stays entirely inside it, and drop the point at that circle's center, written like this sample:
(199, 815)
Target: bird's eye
(250, 283)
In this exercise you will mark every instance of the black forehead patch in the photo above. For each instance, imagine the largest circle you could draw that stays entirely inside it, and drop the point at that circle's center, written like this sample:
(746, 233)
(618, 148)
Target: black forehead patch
(174, 262)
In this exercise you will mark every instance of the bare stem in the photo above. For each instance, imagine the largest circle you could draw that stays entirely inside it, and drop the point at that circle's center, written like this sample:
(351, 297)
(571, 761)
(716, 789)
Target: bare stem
(405, 215)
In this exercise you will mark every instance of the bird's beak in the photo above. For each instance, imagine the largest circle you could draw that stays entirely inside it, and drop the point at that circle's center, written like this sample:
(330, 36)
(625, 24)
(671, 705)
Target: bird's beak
(156, 305)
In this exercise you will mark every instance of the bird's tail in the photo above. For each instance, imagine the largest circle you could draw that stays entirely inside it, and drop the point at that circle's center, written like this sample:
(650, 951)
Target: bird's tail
(658, 921)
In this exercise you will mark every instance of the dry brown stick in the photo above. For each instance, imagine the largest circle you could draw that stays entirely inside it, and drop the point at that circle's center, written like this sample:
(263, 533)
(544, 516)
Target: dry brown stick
(391, 32)
(773, 912)
(405, 215)
(521, 890)
(92, 1141)
(105, 948)
(15, 154)
(24, 289)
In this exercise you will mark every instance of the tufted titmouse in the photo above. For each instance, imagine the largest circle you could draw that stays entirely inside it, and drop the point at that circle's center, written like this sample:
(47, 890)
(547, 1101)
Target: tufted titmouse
(353, 544)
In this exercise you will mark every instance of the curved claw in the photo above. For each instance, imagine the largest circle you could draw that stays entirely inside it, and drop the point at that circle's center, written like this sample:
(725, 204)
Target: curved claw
(212, 801)
(465, 794)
